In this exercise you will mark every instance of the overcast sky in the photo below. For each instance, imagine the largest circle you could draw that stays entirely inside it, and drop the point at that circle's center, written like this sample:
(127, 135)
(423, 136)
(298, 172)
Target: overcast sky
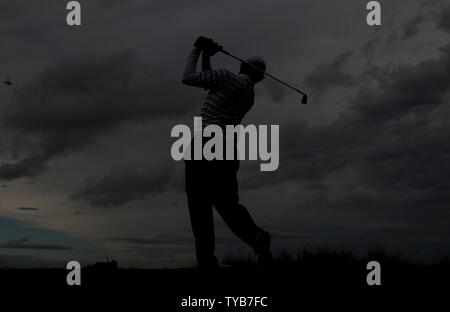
(85, 165)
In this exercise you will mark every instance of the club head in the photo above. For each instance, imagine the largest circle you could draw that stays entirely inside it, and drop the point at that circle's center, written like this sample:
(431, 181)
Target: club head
(304, 99)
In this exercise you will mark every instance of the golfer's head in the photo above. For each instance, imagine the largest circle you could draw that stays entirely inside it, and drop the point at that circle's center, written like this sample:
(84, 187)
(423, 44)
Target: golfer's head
(256, 70)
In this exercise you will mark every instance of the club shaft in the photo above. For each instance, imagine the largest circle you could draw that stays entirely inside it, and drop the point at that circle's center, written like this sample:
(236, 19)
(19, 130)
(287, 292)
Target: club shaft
(263, 72)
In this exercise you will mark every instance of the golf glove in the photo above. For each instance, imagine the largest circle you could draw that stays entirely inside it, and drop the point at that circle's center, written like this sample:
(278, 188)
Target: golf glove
(207, 45)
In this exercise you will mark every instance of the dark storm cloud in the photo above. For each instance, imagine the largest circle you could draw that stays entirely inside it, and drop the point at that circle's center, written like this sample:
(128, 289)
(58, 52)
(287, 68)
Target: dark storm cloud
(27, 167)
(370, 46)
(121, 186)
(439, 12)
(70, 104)
(28, 208)
(411, 28)
(394, 135)
(329, 74)
(23, 243)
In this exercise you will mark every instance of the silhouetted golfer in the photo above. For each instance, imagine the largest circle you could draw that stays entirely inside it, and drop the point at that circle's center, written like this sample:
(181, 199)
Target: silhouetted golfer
(214, 183)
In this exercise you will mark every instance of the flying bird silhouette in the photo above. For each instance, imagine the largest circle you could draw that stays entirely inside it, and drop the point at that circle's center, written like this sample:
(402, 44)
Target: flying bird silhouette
(8, 81)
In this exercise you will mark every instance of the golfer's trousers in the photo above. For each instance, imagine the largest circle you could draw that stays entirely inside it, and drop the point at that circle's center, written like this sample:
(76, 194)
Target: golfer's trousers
(214, 184)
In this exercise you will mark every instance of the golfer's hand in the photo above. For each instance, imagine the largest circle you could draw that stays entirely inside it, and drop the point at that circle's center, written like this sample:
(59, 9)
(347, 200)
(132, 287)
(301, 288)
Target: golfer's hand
(207, 45)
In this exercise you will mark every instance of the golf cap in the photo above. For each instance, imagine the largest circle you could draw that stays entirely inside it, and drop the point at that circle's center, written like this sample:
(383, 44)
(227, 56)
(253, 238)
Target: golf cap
(258, 62)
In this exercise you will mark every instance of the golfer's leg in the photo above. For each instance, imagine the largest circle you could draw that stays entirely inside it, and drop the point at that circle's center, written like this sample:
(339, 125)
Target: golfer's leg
(239, 221)
(227, 205)
(201, 215)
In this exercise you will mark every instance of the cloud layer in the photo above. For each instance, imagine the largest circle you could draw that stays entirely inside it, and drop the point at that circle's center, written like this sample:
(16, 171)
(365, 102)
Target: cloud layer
(72, 103)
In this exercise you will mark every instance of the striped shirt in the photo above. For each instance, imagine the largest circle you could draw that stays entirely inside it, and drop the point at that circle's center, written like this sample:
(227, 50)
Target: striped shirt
(229, 98)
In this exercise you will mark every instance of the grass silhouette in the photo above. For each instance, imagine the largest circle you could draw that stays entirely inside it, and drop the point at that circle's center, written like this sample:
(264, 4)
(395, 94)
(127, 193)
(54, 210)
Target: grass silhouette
(312, 272)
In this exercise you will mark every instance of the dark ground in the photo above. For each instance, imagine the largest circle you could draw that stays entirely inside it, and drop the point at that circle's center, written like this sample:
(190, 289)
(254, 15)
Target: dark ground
(324, 279)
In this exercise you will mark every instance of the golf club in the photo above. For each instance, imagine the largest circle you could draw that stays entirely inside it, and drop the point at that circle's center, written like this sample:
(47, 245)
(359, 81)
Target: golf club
(304, 96)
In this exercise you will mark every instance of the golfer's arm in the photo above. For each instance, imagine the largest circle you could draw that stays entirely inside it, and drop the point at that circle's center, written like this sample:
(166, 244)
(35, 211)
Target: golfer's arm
(206, 62)
(205, 79)
(190, 75)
